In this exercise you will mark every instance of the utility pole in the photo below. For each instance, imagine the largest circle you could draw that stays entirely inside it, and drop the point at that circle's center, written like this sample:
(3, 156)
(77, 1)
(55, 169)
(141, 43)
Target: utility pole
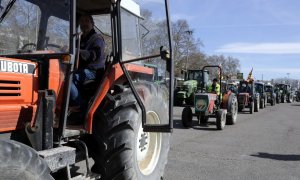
(190, 33)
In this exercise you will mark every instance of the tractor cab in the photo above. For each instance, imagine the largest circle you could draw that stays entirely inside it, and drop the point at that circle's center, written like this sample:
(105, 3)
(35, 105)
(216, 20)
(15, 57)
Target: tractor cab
(260, 89)
(197, 76)
(246, 87)
(247, 96)
(39, 54)
(271, 96)
(194, 80)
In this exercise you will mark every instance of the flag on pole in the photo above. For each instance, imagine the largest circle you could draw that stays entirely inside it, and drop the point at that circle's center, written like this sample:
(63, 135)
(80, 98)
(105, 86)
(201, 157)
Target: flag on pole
(250, 77)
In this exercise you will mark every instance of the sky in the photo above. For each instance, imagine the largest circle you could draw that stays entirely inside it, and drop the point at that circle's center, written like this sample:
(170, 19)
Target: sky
(262, 34)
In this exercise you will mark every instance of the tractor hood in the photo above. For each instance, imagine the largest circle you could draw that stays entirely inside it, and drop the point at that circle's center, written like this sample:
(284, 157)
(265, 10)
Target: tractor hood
(204, 102)
(190, 83)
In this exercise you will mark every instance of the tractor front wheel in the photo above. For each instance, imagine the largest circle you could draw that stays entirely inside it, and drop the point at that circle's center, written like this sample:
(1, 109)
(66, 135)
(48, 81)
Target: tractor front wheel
(123, 150)
(19, 161)
(187, 117)
(252, 107)
(256, 105)
(221, 119)
(262, 104)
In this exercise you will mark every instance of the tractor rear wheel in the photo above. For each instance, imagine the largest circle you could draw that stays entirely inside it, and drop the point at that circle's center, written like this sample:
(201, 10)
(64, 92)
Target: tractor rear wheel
(221, 119)
(233, 109)
(124, 150)
(19, 161)
(187, 117)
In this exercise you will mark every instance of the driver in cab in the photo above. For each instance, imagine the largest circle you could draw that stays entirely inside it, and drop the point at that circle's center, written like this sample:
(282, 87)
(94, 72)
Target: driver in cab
(214, 87)
(91, 61)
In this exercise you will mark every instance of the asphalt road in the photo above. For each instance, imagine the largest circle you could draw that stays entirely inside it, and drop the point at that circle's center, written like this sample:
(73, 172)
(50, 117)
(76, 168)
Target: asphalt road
(265, 145)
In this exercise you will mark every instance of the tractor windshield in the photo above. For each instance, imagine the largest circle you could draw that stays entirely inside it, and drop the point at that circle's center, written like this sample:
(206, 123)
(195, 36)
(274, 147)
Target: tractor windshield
(244, 87)
(259, 88)
(268, 88)
(282, 87)
(194, 75)
(31, 26)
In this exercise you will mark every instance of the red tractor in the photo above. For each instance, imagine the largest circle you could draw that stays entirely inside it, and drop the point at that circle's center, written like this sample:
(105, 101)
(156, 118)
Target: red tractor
(247, 97)
(223, 107)
(126, 127)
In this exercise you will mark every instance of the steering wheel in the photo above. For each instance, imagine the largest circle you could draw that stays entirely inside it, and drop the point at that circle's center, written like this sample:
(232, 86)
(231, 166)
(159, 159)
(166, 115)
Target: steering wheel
(29, 47)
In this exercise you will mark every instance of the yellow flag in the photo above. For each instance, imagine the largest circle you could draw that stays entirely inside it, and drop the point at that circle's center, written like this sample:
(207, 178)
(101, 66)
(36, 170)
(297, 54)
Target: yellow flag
(250, 77)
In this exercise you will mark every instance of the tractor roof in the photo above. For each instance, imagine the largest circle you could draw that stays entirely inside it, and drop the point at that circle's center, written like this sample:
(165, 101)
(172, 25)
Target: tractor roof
(261, 83)
(93, 6)
(103, 6)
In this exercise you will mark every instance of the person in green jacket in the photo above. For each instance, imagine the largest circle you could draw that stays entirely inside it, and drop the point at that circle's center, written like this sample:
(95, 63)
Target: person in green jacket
(214, 87)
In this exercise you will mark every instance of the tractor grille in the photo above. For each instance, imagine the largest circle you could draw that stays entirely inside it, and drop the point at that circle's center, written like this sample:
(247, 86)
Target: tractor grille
(10, 88)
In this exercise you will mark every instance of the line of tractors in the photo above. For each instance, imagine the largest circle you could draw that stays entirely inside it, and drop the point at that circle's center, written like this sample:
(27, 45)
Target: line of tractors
(192, 92)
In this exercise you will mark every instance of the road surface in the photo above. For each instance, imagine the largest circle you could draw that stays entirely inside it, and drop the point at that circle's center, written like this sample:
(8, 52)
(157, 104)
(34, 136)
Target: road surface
(265, 145)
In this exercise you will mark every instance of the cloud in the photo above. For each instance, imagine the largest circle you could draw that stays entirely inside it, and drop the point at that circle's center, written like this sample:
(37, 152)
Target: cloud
(261, 48)
(273, 70)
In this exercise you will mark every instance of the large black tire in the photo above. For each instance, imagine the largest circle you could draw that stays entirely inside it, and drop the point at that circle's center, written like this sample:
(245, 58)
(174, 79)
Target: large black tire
(221, 119)
(233, 111)
(123, 148)
(251, 109)
(261, 104)
(282, 99)
(18, 161)
(256, 105)
(187, 117)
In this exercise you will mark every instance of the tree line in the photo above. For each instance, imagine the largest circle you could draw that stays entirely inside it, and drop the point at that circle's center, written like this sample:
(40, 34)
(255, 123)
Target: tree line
(188, 55)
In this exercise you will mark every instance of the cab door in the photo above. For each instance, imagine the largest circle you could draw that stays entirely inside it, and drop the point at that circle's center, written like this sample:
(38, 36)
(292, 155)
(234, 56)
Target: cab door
(144, 28)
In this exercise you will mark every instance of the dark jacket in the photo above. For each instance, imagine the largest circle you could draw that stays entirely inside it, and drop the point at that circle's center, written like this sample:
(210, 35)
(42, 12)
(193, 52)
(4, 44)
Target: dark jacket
(92, 51)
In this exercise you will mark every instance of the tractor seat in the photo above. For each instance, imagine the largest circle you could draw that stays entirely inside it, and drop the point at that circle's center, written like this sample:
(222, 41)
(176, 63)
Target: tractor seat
(89, 87)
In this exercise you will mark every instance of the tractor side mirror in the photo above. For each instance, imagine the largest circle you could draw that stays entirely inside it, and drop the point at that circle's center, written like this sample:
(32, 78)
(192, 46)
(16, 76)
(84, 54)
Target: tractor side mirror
(164, 54)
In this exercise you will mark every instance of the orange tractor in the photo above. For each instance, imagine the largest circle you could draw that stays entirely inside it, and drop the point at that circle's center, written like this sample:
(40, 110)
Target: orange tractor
(127, 125)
